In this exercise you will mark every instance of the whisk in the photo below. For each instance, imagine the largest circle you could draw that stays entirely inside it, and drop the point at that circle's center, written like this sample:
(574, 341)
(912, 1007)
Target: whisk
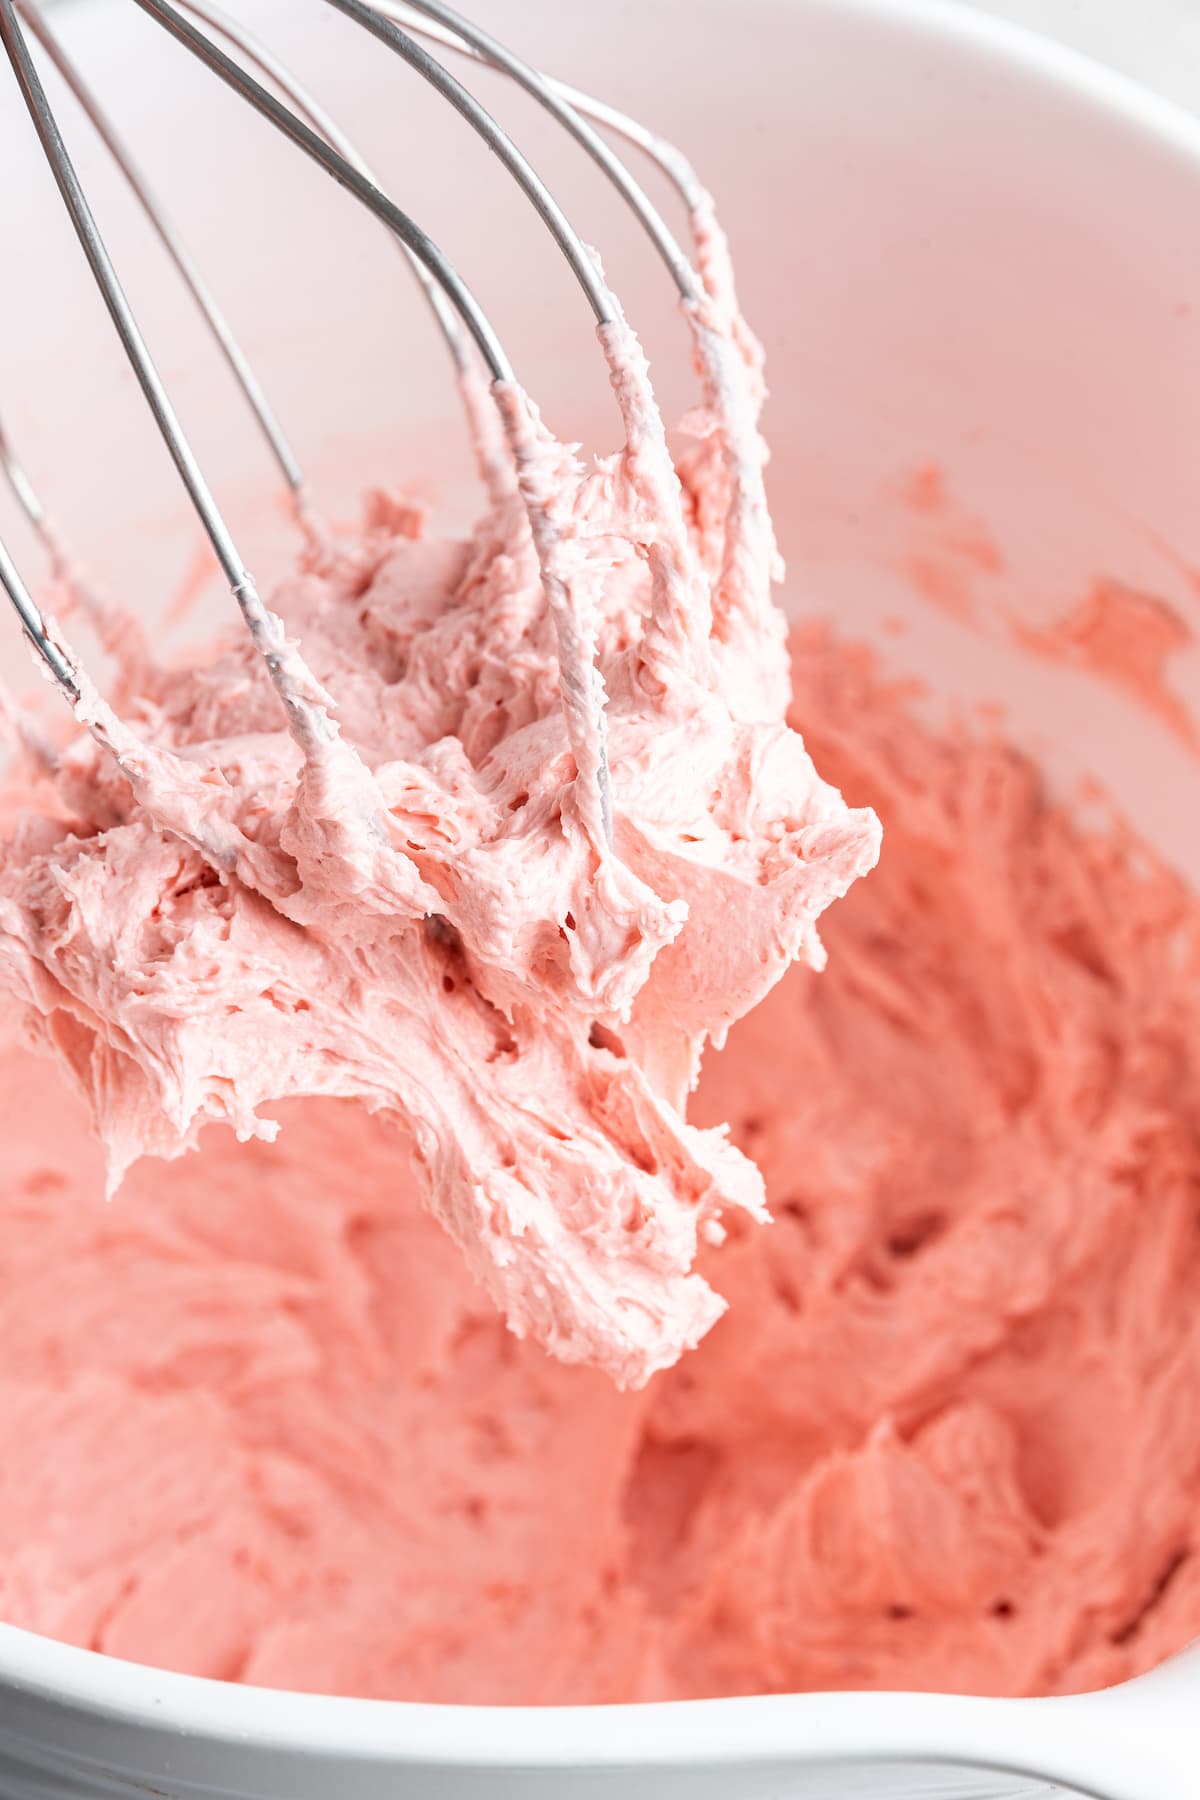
(254, 71)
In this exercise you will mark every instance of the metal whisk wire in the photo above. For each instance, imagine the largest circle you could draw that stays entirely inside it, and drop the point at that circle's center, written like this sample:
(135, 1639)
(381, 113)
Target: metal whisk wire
(312, 130)
(265, 631)
(440, 24)
(171, 239)
(262, 57)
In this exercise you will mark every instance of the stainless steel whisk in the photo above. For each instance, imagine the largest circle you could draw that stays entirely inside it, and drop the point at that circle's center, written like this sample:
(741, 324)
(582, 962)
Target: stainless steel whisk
(253, 70)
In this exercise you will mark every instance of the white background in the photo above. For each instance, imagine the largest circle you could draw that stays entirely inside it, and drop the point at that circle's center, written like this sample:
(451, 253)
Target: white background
(1158, 41)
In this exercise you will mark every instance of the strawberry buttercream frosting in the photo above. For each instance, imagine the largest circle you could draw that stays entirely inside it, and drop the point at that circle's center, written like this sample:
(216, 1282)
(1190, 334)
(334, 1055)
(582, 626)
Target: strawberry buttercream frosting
(258, 1421)
(376, 980)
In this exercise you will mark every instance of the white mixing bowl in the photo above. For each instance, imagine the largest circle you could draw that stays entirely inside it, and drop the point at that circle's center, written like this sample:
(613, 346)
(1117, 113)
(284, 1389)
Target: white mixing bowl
(963, 247)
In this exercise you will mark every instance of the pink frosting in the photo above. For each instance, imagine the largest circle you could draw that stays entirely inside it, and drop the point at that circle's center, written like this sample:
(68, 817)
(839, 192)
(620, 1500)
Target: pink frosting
(378, 867)
(356, 898)
(258, 1422)
(1127, 638)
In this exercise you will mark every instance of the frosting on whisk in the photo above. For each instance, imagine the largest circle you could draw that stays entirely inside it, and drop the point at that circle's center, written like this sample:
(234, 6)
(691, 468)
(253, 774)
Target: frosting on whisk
(413, 899)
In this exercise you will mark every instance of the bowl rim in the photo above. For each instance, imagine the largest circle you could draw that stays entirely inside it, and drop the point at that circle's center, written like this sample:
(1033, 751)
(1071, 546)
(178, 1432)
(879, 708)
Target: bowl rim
(936, 1729)
(150, 1714)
